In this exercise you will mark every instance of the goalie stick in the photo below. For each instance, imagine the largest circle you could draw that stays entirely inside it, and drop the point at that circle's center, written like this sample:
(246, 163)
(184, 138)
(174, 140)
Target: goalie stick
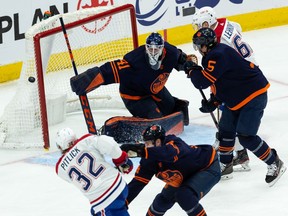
(83, 98)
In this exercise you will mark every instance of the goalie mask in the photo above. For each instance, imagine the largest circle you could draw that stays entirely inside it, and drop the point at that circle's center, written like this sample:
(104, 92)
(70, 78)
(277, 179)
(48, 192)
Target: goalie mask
(204, 14)
(153, 133)
(154, 50)
(65, 138)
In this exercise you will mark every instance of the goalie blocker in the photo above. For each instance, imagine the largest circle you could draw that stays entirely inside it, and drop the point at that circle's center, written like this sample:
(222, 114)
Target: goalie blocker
(129, 129)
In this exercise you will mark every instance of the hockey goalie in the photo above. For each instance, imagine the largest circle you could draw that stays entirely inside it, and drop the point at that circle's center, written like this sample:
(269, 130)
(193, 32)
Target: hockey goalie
(141, 74)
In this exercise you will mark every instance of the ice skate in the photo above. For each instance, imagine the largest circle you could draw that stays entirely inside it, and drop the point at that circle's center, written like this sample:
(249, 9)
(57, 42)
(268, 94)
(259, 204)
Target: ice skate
(275, 170)
(226, 171)
(241, 161)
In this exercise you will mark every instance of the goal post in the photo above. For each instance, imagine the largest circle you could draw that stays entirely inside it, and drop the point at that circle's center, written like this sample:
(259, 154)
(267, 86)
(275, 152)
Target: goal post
(96, 35)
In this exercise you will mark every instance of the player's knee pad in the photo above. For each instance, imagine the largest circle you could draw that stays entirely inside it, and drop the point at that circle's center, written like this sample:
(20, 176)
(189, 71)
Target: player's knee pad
(181, 198)
(226, 136)
(161, 204)
(154, 212)
(249, 142)
(226, 146)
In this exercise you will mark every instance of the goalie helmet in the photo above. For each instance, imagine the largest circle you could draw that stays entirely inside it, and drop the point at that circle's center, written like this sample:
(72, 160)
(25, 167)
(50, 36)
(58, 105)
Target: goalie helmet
(154, 132)
(204, 36)
(204, 14)
(65, 138)
(154, 50)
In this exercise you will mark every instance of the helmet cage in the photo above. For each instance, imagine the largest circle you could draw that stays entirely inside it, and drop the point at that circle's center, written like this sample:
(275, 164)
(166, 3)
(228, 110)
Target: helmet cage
(154, 50)
(154, 53)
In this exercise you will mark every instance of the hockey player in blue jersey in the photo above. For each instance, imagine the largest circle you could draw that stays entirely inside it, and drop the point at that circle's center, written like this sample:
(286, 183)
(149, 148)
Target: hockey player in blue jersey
(241, 85)
(188, 171)
(142, 74)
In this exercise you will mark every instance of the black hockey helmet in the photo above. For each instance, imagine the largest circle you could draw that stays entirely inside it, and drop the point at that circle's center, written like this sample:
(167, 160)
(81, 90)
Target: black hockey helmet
(154, 132)
(204, 36)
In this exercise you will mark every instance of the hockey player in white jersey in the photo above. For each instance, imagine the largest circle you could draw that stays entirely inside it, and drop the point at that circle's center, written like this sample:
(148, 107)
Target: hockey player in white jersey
(229, 33)
(83, 164)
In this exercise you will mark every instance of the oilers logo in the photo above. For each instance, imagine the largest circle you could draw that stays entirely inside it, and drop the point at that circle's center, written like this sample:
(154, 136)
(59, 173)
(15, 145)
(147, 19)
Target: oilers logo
(159, 83)
(172, 177)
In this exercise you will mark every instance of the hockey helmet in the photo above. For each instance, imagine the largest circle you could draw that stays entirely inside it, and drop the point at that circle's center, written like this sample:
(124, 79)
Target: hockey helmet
(154, 132)
(154, 49)
(204, 36)
(204, 14)
(65, 138)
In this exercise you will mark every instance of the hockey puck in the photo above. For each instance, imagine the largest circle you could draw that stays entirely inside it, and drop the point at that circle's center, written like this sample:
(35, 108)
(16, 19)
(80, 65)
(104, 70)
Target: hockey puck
(31, 79)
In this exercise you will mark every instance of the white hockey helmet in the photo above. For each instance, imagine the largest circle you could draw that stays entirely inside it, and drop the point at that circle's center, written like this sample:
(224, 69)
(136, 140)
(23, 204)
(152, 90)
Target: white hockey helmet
(65, 138)
(204, 14)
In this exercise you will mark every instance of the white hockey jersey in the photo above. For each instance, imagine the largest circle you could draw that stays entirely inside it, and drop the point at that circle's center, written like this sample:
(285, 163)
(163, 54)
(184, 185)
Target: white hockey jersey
(230, 33)
(84, 166)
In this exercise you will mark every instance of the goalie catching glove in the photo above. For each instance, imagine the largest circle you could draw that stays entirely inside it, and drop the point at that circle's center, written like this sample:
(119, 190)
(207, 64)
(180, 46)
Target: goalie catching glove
(134, 150)
(209, 105)
(86, 81)
(123, 163)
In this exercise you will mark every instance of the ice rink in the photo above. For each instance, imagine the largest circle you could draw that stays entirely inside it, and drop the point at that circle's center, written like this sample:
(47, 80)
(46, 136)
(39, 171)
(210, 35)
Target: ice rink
(30, 187)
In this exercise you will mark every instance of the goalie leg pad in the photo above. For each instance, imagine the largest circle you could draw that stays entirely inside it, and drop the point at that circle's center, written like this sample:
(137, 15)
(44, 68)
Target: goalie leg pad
(129, 129)
(182, 105)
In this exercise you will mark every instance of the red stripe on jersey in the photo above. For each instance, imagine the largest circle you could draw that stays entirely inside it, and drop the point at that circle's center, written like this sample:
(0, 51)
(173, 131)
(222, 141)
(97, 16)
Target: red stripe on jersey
(108, 190)
(219, 28)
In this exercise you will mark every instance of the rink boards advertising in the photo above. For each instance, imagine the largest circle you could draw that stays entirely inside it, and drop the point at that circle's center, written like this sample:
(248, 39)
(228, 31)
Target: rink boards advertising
(170, 18)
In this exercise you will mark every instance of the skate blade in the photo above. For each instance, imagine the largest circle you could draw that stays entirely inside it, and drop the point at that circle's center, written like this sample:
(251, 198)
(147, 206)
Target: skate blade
(282, 170)
(227, 177)
(241, 168)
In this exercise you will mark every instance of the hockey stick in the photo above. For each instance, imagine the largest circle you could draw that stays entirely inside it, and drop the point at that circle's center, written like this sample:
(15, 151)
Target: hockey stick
(211, 113)
(83, 98)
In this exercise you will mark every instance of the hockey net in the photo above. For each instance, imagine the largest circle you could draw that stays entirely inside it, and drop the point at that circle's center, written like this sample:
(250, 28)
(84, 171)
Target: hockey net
(96, 35)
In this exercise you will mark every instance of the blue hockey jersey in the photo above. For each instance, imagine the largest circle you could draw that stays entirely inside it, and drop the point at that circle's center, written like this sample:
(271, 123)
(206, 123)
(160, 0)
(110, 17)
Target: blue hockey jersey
(134, 74)
(173, 163)
(233, 80)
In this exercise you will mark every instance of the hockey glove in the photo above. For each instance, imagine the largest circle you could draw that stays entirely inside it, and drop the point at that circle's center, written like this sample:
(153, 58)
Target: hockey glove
(189, 66)
(193, 58)
(181, 60)
(134, 150)
(123, 163)
(87, 81)
(209, 105)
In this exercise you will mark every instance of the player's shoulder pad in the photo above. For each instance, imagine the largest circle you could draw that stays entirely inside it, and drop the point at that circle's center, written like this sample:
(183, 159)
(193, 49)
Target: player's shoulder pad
(135, 55)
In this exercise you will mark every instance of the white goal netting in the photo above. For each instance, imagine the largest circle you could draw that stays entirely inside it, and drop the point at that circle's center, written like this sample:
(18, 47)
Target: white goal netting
(96, 35)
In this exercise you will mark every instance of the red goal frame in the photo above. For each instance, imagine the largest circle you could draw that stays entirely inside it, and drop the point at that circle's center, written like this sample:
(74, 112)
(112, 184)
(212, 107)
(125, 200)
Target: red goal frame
(38, 57)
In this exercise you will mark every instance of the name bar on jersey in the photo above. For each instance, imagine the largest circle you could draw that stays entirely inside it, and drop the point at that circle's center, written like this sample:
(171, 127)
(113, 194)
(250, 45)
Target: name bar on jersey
(68, 158)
